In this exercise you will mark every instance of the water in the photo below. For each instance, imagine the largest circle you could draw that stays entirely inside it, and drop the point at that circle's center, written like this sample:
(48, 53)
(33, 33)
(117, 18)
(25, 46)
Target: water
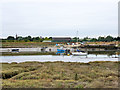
(52, 58)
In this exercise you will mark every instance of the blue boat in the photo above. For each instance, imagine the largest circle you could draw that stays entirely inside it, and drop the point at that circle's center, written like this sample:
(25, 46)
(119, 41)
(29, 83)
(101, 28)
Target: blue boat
(60, 50)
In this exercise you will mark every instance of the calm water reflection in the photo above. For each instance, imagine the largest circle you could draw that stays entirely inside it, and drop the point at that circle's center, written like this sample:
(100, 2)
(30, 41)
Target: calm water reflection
(52, 58)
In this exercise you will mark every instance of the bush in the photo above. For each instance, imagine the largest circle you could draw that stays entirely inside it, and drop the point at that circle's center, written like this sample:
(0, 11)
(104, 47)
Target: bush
(9, 74)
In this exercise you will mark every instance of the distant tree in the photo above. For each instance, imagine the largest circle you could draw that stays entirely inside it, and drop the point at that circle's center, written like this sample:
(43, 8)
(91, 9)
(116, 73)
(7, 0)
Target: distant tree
(3, 40)
(93, 40)
(114, 38)
(40, 39)
(19, 38)
(10, 38)
(76, 39)
(36, 39)
(118, 38)
(101, 38)
(50, 38)
(109, 38)
(28, 38)
(85, 39)
(46, 38)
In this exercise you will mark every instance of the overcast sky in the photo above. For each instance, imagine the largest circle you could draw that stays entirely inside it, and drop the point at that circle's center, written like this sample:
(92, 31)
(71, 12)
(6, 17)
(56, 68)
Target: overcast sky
(91, 18)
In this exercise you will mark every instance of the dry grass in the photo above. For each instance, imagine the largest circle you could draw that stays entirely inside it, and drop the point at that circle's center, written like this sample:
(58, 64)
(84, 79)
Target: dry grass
(107, 43)
(27, 44)
(60, 75)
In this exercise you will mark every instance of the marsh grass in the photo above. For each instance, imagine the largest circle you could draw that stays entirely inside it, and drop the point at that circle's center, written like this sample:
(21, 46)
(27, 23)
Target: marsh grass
(60, 75)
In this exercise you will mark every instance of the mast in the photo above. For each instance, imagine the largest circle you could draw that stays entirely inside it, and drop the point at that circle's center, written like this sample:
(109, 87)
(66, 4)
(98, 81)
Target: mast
(77, 38)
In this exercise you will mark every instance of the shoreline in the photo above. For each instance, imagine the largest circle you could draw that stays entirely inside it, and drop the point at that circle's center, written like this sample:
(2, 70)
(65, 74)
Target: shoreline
(54, 53)
(60, 62)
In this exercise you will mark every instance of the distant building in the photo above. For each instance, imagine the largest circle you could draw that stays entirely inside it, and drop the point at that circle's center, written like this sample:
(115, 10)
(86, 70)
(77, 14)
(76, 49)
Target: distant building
(47, 41)
(41, 37)
(61, 39)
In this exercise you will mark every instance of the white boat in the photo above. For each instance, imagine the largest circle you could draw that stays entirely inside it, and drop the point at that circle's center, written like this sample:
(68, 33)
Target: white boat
(79, 53)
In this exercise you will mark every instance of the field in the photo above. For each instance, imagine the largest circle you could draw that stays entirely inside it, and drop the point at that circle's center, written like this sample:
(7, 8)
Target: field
(60, 75)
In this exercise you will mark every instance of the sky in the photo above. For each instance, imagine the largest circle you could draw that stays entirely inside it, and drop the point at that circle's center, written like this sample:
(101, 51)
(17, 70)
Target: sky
(90, 18)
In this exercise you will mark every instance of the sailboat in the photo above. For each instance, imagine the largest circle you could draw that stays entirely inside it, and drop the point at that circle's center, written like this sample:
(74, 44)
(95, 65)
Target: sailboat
(79, 53)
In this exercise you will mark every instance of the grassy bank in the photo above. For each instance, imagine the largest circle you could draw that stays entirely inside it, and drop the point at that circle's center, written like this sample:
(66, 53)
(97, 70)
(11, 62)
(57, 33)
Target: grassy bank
(60, 75)
(51, 44)
(26, 44)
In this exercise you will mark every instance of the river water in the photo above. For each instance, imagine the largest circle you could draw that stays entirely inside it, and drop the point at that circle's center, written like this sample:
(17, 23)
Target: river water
(52, 58)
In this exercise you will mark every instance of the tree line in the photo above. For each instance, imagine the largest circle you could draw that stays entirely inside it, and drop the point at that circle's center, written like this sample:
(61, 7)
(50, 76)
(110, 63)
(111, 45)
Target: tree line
(75, 39)
(99, 39)
(25, 39)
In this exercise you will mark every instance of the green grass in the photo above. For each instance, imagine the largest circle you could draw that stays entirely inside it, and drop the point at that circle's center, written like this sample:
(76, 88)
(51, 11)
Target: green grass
(60, 75)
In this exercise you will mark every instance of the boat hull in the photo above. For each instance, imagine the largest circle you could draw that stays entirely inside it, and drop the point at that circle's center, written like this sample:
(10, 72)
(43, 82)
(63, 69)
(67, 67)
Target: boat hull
(79, 54)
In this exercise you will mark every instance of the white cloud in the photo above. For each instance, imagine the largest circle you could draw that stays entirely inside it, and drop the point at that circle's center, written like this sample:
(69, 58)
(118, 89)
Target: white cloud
(59, 17)
(60, 1)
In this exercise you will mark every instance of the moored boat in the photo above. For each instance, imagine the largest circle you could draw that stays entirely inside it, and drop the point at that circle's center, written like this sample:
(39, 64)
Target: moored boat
(79, 53)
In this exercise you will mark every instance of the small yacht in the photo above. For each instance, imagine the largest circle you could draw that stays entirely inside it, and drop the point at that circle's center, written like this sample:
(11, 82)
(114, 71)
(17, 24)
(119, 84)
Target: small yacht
(79, 53)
